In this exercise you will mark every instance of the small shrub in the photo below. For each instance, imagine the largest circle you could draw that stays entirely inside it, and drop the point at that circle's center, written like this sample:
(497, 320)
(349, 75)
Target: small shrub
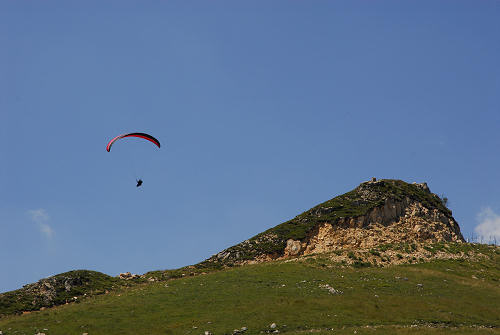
(360, 264)
(375, 253)
(385, 247)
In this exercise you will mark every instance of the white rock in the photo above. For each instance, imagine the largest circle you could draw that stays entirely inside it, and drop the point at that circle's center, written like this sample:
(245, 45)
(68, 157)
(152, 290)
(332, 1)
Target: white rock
(272, 326)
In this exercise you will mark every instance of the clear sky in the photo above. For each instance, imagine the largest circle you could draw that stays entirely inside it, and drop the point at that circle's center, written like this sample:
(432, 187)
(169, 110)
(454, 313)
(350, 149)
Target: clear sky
(263, 108)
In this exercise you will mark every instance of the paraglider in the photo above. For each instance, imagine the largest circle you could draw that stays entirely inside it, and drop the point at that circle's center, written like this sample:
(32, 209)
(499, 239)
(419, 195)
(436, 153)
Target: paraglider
(139, 135)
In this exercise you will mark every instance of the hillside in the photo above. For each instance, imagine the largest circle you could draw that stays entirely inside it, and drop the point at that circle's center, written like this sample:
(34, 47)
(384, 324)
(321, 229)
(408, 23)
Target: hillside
(311, 294)
(377, 224)
(387, 256)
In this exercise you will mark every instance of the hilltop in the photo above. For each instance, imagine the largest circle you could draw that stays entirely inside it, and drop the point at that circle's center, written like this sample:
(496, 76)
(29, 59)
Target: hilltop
(376, 213)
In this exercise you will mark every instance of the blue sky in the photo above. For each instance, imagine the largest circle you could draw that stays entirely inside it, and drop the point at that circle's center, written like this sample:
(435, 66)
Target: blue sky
(263, 108)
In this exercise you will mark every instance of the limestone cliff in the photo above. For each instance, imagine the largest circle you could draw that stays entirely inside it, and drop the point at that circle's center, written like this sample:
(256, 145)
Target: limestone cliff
(374, 213)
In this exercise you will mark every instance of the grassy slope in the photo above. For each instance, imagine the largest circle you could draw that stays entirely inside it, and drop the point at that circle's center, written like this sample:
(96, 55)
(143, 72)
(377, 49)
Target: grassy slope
(458, 295)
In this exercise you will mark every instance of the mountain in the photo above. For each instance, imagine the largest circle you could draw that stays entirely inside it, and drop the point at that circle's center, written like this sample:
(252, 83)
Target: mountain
(373, 214)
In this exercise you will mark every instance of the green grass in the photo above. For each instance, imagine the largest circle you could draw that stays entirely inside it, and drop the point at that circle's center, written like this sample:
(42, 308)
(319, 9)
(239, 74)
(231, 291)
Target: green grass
(455, 297)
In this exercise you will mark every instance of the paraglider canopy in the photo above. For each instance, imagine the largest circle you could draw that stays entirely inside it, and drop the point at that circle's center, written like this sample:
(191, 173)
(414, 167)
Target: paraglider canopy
(140, 135)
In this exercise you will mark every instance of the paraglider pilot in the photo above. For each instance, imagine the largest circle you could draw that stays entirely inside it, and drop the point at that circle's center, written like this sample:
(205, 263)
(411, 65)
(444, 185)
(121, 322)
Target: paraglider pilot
(139, 182)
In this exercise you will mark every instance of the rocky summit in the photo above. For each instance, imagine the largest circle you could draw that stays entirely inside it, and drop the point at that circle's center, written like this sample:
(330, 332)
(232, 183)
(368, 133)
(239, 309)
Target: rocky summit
(376, 213)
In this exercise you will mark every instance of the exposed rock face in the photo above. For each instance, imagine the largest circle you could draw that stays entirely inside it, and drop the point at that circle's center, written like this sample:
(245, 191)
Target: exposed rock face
(128, 276)
(46, 290)
(376, 212)
(293, 248)
(401, 222)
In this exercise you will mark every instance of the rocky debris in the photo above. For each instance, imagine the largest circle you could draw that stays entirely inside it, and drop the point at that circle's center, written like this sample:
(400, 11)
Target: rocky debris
(240, 331)
(207, 332)
(330, 289)
(129, 276)
(394, 254)
(273, 325)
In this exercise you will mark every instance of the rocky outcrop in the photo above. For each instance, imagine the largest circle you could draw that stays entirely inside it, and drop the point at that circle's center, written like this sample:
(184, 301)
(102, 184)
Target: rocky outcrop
(293, 248)
(395, 222)
(56, 290)
(129, 276)
(376, 212)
